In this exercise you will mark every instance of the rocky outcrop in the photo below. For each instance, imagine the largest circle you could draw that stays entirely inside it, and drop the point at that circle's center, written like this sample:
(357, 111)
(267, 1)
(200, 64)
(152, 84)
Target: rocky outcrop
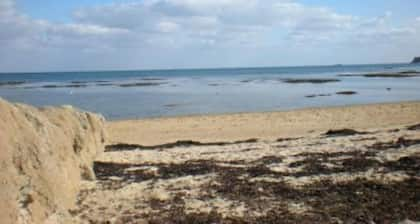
(416, 60)
(44, 155)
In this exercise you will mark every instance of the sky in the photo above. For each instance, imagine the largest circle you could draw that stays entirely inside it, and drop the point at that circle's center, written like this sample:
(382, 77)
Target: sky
(51, 35)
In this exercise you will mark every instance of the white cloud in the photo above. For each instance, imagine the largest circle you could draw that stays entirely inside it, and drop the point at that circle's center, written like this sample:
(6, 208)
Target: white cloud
(221, 26)
(167, 27)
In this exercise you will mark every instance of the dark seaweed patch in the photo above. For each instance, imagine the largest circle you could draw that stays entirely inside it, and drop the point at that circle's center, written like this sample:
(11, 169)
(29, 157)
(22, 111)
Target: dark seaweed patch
(358, 201)
(409, 164)
(415, 127)
(79, 82)
(343, 132)
(312, 81)
(247, 80)
(317, 95)
(152, 79)
(346, 93)
(140, 84)
(403, 74)
(105, 170)
(183, 143)
(287, 139)
(12, 83)
(104, 84)
(363, 139)
(390, 75)
(64, 86)
(400, 143)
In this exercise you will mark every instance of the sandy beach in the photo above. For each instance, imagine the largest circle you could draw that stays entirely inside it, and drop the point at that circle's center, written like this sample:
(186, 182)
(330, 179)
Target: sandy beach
(209, 112)
(357, 164)
(264, 126)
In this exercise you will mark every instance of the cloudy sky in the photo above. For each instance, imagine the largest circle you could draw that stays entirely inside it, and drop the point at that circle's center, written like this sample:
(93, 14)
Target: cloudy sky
(51, 35)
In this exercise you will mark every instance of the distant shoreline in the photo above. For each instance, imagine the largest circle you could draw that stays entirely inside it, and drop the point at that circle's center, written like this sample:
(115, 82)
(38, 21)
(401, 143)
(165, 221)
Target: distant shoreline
(204, 68)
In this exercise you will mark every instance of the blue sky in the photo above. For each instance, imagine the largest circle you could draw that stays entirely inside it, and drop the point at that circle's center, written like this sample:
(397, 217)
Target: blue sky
(131, 34)
(61, 10)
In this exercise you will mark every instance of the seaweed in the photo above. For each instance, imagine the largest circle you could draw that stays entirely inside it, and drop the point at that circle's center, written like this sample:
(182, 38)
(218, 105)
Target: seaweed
(182, 143)
(343, 132)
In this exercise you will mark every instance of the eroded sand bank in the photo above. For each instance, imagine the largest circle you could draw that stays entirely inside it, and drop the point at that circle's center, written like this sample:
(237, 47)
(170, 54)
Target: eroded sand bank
(287, 168)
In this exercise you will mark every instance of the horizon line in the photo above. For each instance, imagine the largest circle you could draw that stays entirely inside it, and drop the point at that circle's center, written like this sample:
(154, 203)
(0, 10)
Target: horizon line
(204, 68)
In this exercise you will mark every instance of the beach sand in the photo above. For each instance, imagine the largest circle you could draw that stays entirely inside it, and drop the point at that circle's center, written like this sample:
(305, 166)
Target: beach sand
(276, 167)
(264, 126)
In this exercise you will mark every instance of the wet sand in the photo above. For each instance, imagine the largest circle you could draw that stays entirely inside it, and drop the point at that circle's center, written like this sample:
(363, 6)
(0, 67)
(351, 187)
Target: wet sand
(358, 164)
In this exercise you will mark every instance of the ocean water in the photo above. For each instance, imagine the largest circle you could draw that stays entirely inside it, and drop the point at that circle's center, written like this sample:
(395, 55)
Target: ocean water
(159, 93)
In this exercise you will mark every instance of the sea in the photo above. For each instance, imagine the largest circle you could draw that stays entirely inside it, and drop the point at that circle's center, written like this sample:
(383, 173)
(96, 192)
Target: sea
(164, 93)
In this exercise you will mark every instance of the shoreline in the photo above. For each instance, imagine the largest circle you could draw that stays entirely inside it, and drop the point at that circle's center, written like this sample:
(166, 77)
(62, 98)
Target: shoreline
(232, 127)
(197, 115)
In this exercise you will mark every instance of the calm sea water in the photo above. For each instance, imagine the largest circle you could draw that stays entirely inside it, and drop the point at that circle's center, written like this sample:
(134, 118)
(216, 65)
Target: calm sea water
(207, 91)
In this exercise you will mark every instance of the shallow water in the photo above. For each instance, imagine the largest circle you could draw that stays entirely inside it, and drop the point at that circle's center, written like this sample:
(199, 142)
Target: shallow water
(208, 91)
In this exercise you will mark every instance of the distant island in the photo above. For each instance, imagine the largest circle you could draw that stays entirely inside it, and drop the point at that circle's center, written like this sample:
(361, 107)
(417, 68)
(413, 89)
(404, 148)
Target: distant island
(416, 60)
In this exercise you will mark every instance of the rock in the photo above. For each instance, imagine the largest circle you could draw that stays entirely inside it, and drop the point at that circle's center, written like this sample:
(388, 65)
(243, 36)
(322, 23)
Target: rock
(64, 86)
(391, 75)
(312, 81)
(141, 84)
(402, 74)
(346, 93)
(12, 83)
(317, 95)
(44, 155)
(416, 60)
